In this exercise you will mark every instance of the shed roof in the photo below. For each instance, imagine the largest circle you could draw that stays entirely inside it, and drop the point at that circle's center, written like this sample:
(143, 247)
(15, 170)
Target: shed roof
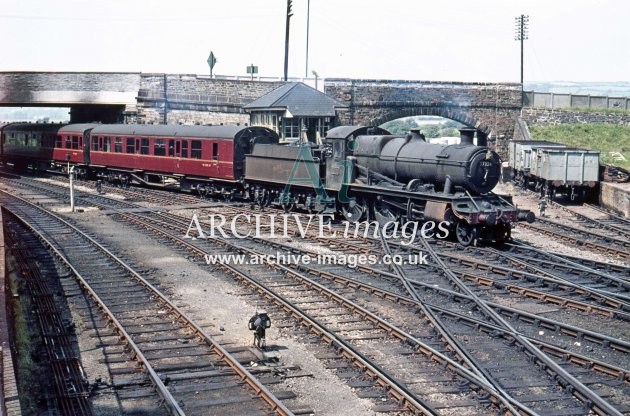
(299, 99)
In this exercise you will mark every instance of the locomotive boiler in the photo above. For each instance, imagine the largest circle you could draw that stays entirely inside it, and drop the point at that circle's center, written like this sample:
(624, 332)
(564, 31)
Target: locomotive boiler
(474, 168)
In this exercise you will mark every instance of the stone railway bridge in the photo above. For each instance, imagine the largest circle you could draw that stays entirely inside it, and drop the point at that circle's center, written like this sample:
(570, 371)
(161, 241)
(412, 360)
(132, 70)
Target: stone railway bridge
(492, 108)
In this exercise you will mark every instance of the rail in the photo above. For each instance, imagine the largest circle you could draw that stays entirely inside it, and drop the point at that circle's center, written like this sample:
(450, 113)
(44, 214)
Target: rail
(171, 402)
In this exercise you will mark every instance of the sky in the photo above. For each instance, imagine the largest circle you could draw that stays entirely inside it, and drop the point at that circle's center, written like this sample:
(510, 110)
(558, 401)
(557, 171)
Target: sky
(450, 40)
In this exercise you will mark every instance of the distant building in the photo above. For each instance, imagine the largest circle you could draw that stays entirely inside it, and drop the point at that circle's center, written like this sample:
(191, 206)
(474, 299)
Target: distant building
(295, 111)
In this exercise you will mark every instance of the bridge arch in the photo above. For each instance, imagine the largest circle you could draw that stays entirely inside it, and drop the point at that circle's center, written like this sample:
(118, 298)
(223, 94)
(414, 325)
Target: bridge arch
(456, 114)
(492, 108)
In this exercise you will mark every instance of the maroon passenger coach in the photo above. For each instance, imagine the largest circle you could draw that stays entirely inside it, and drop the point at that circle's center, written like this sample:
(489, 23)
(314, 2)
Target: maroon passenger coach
(195, 157)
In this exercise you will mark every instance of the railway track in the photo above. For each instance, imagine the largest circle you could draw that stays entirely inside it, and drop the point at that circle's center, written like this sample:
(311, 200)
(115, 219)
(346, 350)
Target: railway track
(509, 332)
(526, 364)
(577, 266)
(612, 219)
(202, 376)
(617, 226)
(603, 289)
(67, 387)
(581, 238)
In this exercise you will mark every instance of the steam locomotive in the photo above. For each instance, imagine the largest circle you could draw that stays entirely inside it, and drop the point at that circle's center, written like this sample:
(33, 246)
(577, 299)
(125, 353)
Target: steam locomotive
(377, 176)
(363, 173)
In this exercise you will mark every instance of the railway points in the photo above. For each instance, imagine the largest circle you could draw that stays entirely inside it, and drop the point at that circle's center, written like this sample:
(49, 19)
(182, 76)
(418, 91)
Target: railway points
(558, 288)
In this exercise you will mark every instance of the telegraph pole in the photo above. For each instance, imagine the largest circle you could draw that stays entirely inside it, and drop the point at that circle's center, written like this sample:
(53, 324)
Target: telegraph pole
(521, 28)
(308, 21)
(286, 39)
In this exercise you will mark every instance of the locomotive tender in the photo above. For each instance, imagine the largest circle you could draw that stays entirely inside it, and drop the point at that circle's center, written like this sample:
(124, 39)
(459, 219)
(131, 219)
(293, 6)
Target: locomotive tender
(363, 173)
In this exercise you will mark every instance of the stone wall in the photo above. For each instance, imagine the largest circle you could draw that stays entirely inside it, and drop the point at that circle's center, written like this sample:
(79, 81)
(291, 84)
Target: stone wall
(615, 196)
(491, 108)
(192, 99)
(547, 116)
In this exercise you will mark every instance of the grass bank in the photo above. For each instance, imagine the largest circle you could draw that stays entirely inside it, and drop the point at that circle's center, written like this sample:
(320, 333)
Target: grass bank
(607, 138)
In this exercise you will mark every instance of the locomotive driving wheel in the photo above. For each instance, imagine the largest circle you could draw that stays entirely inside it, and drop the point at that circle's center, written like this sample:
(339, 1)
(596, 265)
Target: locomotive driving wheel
(465, 233)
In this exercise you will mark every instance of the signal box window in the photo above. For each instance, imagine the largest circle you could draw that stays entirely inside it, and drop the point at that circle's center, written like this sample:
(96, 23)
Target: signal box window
(130, 145)
(159, 149)
(185, 148)
(215, 151)
(118, 145)
(195, 149)
(144, 146)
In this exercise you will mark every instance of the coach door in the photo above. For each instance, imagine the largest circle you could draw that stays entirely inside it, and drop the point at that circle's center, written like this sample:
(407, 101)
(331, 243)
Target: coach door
(175, 151)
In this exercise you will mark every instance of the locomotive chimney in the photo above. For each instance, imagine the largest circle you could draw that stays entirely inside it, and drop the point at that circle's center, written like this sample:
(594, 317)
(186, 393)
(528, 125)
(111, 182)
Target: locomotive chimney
(415, 134)
(467, 135)
(482, 139)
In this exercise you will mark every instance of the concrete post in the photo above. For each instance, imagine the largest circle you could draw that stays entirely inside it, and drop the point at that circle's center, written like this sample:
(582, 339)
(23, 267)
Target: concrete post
(71, 173)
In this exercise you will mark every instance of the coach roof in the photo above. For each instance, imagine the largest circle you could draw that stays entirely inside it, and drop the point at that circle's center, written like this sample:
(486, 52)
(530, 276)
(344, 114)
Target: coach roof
(215, 132)
(77, 128)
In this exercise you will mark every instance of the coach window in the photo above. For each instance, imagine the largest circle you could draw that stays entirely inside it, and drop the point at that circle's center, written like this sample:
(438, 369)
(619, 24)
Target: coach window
(118, 145)
(130, 144)
(95, 143)
(159, 149)
(184, 148)
(75, 142)
(171, 147)
(68, 142)
(215, 151)
(106, 144)
(144, 146)
(195, 149)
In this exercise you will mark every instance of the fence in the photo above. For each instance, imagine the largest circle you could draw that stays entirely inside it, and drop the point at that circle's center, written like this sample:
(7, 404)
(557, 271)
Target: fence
(553, 100)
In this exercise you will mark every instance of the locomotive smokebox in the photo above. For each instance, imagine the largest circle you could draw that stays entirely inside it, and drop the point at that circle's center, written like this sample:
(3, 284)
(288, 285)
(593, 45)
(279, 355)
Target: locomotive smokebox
(467, 135)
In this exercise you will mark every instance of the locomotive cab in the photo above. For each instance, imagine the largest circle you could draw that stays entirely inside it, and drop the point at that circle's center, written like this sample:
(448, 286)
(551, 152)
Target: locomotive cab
(342, 143)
